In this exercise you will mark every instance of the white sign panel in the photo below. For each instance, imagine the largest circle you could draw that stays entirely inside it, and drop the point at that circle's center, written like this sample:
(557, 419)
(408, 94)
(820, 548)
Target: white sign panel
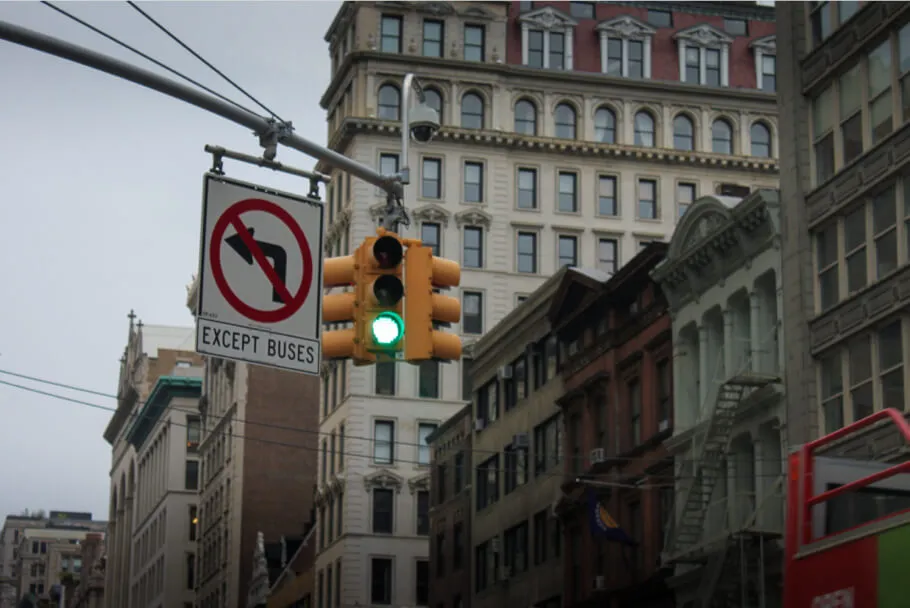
(260, 298)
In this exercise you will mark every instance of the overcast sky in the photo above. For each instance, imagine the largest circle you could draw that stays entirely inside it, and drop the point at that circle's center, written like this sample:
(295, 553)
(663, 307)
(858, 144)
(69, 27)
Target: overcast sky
(101, 191)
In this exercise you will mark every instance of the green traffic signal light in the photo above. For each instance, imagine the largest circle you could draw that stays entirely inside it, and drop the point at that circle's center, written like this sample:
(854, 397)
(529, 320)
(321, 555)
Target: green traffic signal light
(387, 328)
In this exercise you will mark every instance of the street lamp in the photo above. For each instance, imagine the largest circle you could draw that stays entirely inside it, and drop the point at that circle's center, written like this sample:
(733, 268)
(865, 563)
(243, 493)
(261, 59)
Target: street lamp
(420, 123)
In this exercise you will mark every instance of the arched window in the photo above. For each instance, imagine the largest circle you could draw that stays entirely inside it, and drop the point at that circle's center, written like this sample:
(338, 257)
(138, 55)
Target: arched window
(722, 137)
(472, 111)
(761, 140)
(644, 129)
(565, 121)
(433, 99)
(389, 102)
(525, 117)
(605, 126)
(683, 133)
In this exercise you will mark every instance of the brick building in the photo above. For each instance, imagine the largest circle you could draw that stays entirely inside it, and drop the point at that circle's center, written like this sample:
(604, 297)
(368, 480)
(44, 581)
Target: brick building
(258, 455)
(616, 349)
(452, 450)
(846, 259)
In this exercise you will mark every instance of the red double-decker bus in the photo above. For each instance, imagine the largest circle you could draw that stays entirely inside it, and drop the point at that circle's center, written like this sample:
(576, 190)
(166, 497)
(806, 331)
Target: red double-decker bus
(848, 517)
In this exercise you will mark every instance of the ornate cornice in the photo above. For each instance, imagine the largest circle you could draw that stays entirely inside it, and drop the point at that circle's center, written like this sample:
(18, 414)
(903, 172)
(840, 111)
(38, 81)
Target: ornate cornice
(548, 18)
(474, 217)
(586, 149)
(432, 213)
(703, 35)
(383, 479)
(626, 27)
(421, 483)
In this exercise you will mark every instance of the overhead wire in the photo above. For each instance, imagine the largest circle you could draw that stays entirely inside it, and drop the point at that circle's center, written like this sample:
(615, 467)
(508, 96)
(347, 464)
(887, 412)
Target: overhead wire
(145, 56)
(617, 475)
(187, 48)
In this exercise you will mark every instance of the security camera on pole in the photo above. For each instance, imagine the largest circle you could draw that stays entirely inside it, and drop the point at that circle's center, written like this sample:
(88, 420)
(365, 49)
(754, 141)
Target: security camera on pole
(394, 320)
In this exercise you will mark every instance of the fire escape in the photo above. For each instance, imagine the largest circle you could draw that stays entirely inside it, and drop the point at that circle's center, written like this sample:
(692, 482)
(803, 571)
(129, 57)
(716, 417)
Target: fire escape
(734, 562)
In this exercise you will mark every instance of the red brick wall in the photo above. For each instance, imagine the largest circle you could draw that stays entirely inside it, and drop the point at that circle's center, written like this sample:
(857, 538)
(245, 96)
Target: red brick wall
(278, 480)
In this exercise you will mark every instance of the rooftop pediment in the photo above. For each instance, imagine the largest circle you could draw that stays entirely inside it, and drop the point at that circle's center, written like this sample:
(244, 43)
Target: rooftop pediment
(476, 217)
(383, 479)
(625, 27)
(767, 45)
(548, 18)
(703, 35)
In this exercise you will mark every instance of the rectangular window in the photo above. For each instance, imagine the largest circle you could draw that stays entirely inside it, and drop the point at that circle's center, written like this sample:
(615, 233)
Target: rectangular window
(568, 251)
(859, 359)
(388, 164)
(557, 50)
(884, 231)
(191, 476)
(194, 522)
(466, 382)
(515, 540)
(693, 65)
(384, 442)
(606, 195)
(473, 182)
(383, 505)
(429, 234)
(527, 188)
(433, 38)
(647, 199)
(424, 430)
(607, 259)
(431, 178)
(473, 247)
(341, 448)
(712, 67)
(879, 87)
(855, 249)
(823, 135)
(769, 73)
(826, 265)
(474, 43)
(685, 196)
(190, 571)
(659, 18)
(193, 433)
(635, 411)
(385, 378)
(440, 552)
(832, 391)
(472, 317)
(535, 48)
(664, 393)
(614, 56)
(636, 59)
(423, 583)
(736, 27)
(822, 25)
(423, 513)
(457, 545)
(527, 252)
(428, 380)
(390, 34)
(851, 116)
(488, 482)
(891, 365)
(581, 10)
(568, 192)
(381, 581)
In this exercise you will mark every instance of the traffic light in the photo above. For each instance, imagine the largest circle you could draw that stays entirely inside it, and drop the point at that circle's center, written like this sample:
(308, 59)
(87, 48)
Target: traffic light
(378, 322)
(339, 307)
(424, 308)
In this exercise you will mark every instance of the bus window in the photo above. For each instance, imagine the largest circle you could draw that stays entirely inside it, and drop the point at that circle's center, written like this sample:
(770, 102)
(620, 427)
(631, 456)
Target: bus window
(862, 506)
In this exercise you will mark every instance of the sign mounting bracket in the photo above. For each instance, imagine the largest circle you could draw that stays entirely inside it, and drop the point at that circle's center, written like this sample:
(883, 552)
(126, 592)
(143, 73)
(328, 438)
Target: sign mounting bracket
(219, 154)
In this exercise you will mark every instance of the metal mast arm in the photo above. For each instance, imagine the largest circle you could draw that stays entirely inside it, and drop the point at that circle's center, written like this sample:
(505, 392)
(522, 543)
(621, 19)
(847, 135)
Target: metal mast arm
(263, 127)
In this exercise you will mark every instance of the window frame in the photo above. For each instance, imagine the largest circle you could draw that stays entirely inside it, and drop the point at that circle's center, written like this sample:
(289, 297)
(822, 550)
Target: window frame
(479, 249)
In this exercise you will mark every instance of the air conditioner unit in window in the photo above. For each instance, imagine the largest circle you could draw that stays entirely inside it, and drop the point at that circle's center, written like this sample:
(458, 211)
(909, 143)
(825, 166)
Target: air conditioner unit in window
(479, 424)
(505, 574)
(599, 583)
(505, 372)
(597, 456)
(663, 426)
(521, 440)
(494, 544)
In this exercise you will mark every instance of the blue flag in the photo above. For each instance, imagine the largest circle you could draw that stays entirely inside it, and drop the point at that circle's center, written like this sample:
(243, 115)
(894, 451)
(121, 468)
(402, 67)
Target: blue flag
(603, 525)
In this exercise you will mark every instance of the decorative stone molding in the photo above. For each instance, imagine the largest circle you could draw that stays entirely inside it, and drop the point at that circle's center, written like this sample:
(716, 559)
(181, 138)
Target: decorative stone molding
(626, 27)
(703, 35)
(383, 479)
(337, 483)
(547, 18)
(475, 11)
(474, 217)
(421, 483)
(432, 213)
(766, 45)
(437, 9)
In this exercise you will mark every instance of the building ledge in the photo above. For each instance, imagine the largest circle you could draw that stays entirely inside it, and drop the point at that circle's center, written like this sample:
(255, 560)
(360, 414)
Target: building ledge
(167, 388)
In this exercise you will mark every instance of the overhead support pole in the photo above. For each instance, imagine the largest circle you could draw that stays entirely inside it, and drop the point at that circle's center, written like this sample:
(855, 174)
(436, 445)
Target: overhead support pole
(268, 130)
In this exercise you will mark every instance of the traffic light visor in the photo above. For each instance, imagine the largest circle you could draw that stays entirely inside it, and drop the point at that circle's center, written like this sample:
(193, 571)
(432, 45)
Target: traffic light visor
(387, 328)
(388, 252)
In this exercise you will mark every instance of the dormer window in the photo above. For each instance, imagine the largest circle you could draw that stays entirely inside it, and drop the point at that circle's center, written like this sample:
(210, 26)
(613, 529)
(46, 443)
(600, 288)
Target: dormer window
(765, 50)
(625, 47)
(547, 37)
(704, 56)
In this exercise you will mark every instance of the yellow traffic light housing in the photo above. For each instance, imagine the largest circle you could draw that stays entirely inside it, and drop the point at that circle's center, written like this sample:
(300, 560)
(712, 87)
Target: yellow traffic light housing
(380, 328)
(339, 308)
(424, 308)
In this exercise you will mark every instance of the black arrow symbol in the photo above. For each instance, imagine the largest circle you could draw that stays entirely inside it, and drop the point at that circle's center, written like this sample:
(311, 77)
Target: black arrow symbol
(270, 250)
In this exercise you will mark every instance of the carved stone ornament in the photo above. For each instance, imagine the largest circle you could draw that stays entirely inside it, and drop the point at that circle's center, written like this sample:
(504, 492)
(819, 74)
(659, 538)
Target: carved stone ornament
(336, 485)
(548, 18)
(377, 211)
(438, 9)
(704, 35)
(421, 483)
(371, 42)
(626, 27)
(767, 45)
(432, 213)
(454, 52)
(474, 217)
(412, 46)
(383, 479)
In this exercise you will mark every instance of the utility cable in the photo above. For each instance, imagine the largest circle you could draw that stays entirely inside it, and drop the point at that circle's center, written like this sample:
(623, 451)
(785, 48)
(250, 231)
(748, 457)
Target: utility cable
(145, 56)
(475, 451)
(202, 59)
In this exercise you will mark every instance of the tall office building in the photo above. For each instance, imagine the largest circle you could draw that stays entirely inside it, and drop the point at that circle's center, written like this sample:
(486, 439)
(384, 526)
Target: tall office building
(572, 134)
(845, 200)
